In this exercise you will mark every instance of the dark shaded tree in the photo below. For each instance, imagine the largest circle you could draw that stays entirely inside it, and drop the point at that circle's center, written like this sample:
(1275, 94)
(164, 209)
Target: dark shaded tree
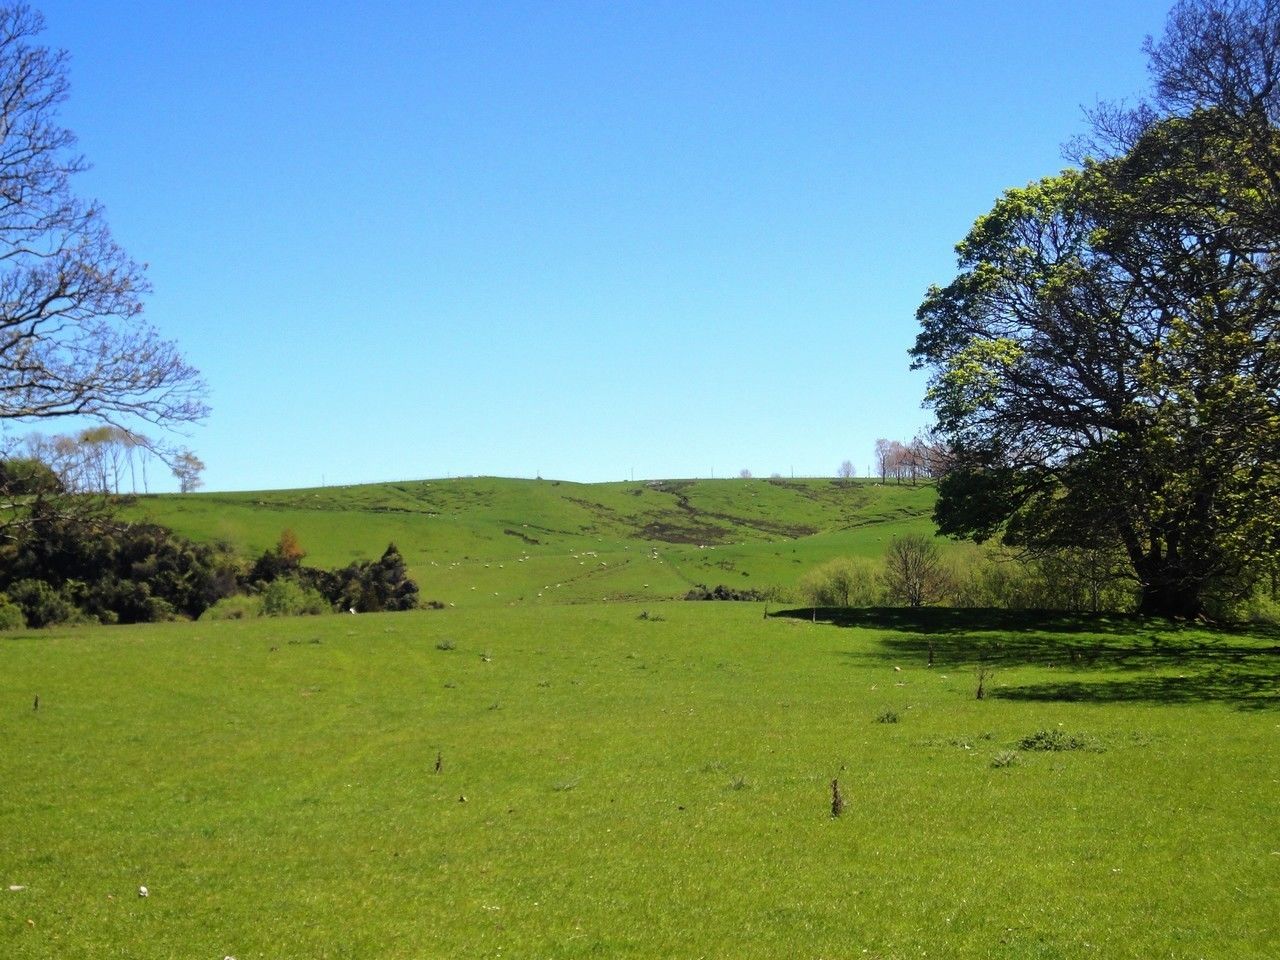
(381, 585)
(110, 571)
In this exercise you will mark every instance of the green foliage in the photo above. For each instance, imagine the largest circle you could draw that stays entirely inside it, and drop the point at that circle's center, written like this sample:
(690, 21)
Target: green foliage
(374, 587)
(41, 604)
(1258, 601)
(107, 570)
(842, 582)
(363, 587)
(27, 476)
(238, 607)
(1106, 366)
(11, 616)
(1072, 579)
(288, 598)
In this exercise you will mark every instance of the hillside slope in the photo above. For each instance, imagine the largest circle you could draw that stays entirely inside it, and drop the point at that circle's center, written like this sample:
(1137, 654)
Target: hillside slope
(488, 540)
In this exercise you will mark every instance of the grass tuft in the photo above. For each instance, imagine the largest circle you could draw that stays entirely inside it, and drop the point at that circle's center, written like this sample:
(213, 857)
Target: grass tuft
(1005, 758)
(1059, 740)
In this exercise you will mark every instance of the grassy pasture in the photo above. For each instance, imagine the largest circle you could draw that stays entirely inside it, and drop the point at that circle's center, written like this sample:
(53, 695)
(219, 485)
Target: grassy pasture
(639, 788)
(496, 542)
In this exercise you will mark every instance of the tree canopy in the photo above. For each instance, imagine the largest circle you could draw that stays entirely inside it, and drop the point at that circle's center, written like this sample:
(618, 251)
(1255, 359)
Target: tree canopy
(1106, 365)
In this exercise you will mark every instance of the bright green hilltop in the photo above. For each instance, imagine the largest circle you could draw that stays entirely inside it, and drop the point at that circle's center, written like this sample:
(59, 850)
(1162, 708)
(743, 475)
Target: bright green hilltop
(472, 541)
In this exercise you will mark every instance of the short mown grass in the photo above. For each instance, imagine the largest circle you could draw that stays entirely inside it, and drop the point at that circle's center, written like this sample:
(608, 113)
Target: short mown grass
(338, 787)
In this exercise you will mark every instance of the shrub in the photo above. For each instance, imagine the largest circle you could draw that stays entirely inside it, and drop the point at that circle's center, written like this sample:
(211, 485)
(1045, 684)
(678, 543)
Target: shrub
(238, 607)
(112, 571)
(1256, 602)
(1260, 609)
(27, 476)
(699, 591)
(842, 582)
(368, 587)
(158, 610)
(1075, 579)
(41, 604)
(11, 616)
(287, 598)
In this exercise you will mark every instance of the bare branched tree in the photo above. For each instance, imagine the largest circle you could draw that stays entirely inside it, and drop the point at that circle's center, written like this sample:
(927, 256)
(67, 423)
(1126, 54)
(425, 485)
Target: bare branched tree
(73, 343)
(914, 574)
(1222, 54)
(1214, 55)
(72, 339)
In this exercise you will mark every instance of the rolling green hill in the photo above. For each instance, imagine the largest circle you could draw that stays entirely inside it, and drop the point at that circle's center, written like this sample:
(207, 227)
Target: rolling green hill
(471, 541)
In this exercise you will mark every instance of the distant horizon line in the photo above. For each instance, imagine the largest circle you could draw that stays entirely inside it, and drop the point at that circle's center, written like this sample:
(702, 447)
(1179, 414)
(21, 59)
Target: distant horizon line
(534, 479)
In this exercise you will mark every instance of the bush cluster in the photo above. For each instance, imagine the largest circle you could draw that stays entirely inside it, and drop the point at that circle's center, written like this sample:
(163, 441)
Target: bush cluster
(72, 567)
(66, 569)
(367, 586)
(843, 582)
(701, 591)
(913, 572)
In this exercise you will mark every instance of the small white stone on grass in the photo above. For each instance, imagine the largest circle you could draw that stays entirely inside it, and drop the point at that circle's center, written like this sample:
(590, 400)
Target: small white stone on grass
(144, 892)
(15, 887)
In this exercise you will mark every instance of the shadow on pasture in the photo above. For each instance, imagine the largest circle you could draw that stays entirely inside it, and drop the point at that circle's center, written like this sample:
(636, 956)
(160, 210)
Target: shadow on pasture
(1247, 687)
(943, 620)
(1098, 658)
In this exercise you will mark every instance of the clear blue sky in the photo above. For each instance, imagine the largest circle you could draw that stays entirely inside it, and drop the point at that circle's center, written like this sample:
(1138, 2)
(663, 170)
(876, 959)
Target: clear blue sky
(411, 239)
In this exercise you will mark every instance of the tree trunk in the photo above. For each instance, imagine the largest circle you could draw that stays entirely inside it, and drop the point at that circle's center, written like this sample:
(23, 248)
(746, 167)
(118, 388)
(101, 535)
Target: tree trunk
(1170, 597)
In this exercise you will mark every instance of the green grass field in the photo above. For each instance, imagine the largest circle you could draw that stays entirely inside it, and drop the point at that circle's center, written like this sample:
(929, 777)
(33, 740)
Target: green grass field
(494, 542)
(632, 778)
(639, 788)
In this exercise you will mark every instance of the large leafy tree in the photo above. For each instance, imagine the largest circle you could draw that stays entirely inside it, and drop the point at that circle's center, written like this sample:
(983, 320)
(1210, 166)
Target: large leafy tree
(1106, 365)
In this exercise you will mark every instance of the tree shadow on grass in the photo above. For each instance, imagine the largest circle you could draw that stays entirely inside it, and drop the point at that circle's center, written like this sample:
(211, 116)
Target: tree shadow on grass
(1246, 688)
(1108, 658)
